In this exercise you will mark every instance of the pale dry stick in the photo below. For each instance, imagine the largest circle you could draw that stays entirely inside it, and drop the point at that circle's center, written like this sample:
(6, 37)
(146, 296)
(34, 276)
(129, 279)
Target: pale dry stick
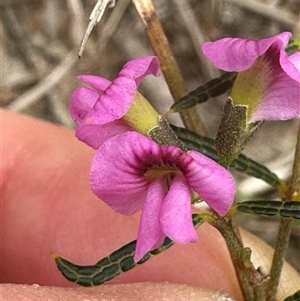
(265, 10)
(156, 87)
(44, 86)
(198, 36)
(77, 17)
(52, 18)
(57, 107)
(112, 23)
(14, 83)
(168, 65)
(296, 29)
(59, 110)
(18, 32)
(95, 17)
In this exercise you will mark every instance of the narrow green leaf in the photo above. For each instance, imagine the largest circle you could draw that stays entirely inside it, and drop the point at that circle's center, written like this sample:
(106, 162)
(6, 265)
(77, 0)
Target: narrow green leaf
(293, 46)
(294, 297)
(241, 163)
(110, 267)
(286, 209)
(212, 88)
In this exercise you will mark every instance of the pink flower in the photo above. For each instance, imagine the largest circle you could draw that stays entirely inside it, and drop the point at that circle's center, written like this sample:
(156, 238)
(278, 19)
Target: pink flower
(268, 79)
(131, 172)
(99, 111)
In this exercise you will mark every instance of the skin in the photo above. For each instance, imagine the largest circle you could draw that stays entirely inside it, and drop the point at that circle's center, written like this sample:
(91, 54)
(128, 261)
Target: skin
(47, 206)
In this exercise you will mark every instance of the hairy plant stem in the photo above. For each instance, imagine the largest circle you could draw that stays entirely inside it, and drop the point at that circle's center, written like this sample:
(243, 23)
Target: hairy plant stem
(252, 281)
(292, 192)
(169, 67)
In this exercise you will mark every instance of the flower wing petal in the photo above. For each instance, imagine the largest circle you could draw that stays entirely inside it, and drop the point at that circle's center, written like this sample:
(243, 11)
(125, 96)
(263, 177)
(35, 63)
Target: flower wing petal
(281, 101)
(149, 230)
(117, 172)
(95, 135)
(176, 212)
(82, 101)
(233, 54)
(291, 64)
(211, 181)
(139, 68)
(96, 82)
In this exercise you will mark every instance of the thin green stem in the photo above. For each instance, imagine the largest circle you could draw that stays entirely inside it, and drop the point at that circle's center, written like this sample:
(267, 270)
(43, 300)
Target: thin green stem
(278, 257)
(294, 185)
(253, 282)
(260, 292)
(250, 279)
(285, 226)
(169, 67)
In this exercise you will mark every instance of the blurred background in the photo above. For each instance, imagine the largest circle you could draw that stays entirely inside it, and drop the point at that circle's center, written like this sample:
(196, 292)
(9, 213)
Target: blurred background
(39, 65)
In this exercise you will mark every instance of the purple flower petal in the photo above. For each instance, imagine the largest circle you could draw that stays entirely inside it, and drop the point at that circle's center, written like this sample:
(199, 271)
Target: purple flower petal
(129, 173)
(211, 181)
(176, 212)
(281, 101)
(100, 84)
(113, 103)
(139, 68)
(82, 101)
(97, 111)
(295, 60)
(281, 97)
(117, 172)
(96, 134)
(149, 230)
(291, 64)
(233, 54)
(118, 97)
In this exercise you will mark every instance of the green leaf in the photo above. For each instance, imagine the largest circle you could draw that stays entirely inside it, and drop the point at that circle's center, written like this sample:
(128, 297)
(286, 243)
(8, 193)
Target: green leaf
(294, 297)
(110, 267)
(212, 88)
(286, 209)
(293, 46)
(241, 163)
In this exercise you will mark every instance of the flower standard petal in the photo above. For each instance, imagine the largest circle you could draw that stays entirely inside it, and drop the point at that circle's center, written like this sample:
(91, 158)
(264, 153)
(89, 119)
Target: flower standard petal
(101, 109)
(119, 96)
(211, 181)
(233, 54)
(176, 212)
(268, 82)
(150, 232)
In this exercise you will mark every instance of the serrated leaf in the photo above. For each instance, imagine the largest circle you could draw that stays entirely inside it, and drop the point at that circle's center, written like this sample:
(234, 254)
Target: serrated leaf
(110, 267)
(286, 209)
(294, 297)
(241, 163)
(212, 88)
(293, 46)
